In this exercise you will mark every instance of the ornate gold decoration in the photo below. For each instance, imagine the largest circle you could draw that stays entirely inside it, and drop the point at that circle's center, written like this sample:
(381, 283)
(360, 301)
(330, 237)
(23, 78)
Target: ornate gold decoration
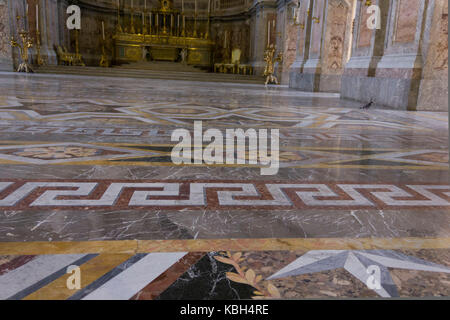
(26, 44)
(270, 59)
(316, 19)
(247, 276)
(163, 41)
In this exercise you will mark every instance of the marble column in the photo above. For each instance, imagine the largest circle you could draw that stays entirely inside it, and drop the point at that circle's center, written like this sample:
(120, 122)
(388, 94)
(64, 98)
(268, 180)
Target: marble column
(309, 79)
(433, 92)
(261, 12)
(50, 13)
(6, 59)
(336, 44)
(386, 65)
(286, 38)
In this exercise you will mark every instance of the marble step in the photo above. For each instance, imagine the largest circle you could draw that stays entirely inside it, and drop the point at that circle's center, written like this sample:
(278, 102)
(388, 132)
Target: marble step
(151, 74)
(160, 66)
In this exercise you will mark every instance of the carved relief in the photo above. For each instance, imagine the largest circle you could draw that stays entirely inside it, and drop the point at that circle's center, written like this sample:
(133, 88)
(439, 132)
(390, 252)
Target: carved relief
(336, 30)
(4, 32)
(335, 55)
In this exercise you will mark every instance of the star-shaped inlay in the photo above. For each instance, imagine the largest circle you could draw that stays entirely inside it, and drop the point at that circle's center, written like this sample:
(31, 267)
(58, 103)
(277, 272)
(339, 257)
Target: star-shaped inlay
(358, 263)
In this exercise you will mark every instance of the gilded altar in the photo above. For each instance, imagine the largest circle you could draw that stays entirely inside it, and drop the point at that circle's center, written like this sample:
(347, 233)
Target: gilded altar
(160, 35)
(141, 47)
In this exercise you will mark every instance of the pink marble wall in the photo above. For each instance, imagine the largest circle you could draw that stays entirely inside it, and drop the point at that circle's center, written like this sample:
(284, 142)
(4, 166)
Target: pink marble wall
(407, 15)
(433, 94)
(289, 50)
(5, 49)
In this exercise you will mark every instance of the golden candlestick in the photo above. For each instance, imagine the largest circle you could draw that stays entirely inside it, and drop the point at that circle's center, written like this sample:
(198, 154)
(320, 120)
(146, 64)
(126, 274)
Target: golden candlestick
(132, 30)
(195, 25)
(164, 25)
(78, 59)
(26, 44)
(119, 26)
(104, 62)
(270, 59)
(39, 60)
(207, 28)
(183, 30)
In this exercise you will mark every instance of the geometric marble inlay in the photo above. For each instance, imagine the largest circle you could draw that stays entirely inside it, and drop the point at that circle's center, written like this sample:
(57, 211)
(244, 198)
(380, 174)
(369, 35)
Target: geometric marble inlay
(357, 263)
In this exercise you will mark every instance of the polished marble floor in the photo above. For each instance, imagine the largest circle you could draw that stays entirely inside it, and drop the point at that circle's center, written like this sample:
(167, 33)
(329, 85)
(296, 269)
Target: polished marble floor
(87, 179)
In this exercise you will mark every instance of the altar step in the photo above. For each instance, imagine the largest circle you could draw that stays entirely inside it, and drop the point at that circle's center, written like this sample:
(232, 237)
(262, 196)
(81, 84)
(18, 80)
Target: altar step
(160, 66)
(151, 74)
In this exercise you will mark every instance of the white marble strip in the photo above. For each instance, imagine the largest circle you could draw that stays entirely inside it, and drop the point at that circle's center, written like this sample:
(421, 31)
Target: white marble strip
(32, 272)
(126, 284)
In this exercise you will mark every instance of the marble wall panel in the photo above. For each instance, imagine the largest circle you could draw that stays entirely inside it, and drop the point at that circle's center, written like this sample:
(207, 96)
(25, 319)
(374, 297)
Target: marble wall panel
(407, 16)
(365, 34)
(335, 37)
(289, 50)
(5, 48)
(433, 93)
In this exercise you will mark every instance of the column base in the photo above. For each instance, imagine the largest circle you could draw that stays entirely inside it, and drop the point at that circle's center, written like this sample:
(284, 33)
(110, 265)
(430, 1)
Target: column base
(6, 64)
(433, 95)
(399, 94)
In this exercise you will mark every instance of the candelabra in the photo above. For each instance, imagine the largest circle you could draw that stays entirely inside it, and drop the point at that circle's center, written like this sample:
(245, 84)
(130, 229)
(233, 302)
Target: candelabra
(164, 31)
(104, 59)
(26, 44)
(183, 30)
(270, 59)
(39, 60)
(195, 25)
(208, 27)
(119, 26)
(132, 30)
(78, 59)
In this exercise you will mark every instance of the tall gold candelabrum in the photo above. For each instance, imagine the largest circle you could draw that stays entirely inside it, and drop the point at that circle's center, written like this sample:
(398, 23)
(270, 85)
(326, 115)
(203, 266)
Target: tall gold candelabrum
(132, 29)
(78, 59)
(119, 26)
(26, 44)
(39, 59)
(104, 62)
(183, 22)
(208, 27)
(195, 25)
(270, 59)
